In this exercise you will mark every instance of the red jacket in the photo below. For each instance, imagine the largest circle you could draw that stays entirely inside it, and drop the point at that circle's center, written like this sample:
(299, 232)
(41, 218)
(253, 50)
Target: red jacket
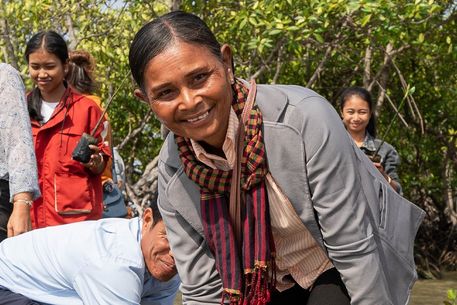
(70, 191)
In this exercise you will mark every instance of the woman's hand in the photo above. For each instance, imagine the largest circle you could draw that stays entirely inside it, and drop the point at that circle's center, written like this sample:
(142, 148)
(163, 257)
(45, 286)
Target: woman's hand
(387, 177)
(97, 162)
(19, 221)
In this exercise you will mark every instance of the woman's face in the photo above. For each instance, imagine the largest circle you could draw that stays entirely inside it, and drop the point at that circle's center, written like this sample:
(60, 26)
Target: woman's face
(356, 114)
(47, 72)
(189, 90)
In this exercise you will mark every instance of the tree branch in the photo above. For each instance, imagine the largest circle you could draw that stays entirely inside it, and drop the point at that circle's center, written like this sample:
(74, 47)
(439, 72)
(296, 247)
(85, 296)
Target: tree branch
(402, 119)
(136, 131)
(71, 32)
(389, 55)
(278, 65)
(328, 51)
(9, 48)
(410, 98)
(270, 58)
(367, 63)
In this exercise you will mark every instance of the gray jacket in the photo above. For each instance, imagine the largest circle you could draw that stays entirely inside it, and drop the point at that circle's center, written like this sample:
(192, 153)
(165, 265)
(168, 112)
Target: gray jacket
(366, 228)
(390, 159)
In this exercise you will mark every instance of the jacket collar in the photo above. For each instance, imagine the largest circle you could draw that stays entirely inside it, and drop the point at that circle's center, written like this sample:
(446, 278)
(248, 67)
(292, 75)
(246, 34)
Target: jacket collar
(68, 99)
(265, 94)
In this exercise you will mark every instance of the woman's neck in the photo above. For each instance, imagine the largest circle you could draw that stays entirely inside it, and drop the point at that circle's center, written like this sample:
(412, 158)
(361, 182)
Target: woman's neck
(358, 137)
(212, 150)
(55, 95)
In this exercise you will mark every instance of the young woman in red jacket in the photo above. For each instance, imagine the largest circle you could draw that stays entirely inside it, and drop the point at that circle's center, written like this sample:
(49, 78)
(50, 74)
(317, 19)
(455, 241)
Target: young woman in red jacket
(71, 190)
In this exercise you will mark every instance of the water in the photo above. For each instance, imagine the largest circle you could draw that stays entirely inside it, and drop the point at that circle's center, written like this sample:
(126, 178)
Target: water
(433, 292)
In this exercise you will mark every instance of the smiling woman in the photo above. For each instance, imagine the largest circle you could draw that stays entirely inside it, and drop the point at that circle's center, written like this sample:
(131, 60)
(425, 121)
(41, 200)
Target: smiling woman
(263, 180)
(195, 101)
(358, 117)
(71, 191)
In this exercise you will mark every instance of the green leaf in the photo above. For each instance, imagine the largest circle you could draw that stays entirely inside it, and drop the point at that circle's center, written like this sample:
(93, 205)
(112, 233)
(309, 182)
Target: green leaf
(365, 20)
(452, 294)
(243, 23)
(318, 37)
(421, 38)
(274, 32)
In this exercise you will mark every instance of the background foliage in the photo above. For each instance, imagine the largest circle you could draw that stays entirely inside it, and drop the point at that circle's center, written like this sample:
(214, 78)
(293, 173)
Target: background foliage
(388, 47)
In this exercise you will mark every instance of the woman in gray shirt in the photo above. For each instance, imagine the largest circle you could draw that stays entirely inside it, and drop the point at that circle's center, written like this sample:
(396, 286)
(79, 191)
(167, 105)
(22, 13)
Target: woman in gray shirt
(357, 112)
(18, 171)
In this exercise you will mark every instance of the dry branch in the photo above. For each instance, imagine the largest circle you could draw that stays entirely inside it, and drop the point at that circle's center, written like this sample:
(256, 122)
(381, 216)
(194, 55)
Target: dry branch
(132, 134)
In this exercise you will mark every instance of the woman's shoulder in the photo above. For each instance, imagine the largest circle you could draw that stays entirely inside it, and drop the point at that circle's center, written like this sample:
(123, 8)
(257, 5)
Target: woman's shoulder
(294, 105)
(293, 93)
(86, 101)
(385, 147)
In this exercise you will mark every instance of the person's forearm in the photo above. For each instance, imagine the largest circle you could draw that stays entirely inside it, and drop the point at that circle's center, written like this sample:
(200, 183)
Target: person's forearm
(19, 221)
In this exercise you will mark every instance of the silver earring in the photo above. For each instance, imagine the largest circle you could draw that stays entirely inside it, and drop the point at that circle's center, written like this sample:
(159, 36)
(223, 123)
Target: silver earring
(232, 78)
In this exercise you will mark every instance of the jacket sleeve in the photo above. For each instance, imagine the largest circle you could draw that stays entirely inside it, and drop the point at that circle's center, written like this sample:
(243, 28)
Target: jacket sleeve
(340, 204)
(200, 281)
(391, 163)
(16, 135)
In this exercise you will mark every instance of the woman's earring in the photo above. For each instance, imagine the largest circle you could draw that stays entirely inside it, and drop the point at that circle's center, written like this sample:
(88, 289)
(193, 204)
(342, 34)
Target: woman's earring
(232, 78)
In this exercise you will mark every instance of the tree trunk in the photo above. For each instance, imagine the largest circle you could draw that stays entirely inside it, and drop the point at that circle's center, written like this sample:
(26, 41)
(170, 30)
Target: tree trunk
(175, 5)
(71, 32)
(9, 48)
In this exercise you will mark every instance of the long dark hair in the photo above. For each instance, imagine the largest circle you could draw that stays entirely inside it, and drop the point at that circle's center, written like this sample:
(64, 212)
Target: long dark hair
(364, 95)
(81, 72)
(53, 43)
(154, 37)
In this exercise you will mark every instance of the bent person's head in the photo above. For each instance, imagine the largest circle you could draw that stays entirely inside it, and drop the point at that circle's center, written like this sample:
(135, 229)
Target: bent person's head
(185, 75)
(155, 246)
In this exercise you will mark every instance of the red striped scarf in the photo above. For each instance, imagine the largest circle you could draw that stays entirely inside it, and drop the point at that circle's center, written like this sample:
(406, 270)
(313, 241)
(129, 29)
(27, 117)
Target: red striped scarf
(245, 268)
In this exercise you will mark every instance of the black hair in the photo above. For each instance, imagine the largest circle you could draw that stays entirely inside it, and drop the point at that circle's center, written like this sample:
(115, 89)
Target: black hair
(54, 44)
(154, 37)
(156, 215)
(81, 72)
(364, 95)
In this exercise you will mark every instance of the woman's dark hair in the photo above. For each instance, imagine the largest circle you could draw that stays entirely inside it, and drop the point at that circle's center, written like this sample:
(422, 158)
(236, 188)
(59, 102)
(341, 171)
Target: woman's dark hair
(154, 37)
(364, 95)
(53, 43)
(81, 72)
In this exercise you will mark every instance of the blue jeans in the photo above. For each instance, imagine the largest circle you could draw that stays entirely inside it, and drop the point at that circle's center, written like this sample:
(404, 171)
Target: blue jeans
(6, 208)
(7, 297)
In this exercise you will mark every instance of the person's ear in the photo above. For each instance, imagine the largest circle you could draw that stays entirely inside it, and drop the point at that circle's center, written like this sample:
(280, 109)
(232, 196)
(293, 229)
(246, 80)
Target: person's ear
(226, 52)
(65, 68)
(148, 219)
(141, 96)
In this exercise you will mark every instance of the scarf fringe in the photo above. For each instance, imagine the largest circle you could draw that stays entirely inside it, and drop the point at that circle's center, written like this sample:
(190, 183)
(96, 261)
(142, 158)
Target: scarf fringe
(257, 288)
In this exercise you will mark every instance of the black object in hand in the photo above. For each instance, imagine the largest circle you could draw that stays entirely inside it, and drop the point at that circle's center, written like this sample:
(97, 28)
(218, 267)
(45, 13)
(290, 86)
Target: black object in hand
(372, 155)
(82, 152)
